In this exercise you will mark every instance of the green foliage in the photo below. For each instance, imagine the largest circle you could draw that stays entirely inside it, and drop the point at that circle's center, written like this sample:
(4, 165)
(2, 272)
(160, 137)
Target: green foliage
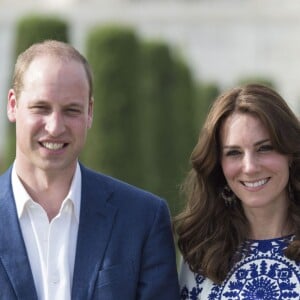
(184, 130)
(31, 29)
(113, 141)
(157, 84)
(143, 128)
(206, 94)
(167, 107)
(36, 28)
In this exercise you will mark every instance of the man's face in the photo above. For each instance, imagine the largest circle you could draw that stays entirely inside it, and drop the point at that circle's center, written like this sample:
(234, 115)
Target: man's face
(52, 114)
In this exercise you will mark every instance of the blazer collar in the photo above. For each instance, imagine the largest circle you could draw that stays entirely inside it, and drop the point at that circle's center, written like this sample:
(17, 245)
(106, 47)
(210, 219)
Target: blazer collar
(13, 255)
(95, 225)
(96, 221)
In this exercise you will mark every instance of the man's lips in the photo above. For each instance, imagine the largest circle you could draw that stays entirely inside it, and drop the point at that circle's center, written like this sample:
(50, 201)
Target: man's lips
(53, 145)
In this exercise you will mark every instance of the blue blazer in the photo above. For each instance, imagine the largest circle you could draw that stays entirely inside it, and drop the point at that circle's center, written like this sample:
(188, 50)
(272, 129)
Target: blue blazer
(124, 248)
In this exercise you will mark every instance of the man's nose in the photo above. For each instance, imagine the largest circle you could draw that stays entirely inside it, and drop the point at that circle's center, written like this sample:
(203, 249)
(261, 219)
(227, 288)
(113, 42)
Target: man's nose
(55, 124)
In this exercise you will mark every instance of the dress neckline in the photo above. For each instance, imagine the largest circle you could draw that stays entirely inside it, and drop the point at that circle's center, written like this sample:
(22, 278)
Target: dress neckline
(286, 237)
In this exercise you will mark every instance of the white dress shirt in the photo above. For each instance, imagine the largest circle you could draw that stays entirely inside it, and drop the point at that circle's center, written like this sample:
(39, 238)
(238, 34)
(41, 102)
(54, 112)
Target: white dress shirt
(50, 246)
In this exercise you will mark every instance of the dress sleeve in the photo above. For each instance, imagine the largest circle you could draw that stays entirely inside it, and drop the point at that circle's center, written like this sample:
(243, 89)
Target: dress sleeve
(186, 276)
(192, 285)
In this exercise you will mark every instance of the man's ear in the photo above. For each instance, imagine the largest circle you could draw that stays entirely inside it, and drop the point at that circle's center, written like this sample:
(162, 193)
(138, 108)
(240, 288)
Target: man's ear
(11, 105)
(90, 112)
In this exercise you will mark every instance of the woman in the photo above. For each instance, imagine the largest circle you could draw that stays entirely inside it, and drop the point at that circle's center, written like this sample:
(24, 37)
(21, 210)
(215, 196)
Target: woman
(239, 234)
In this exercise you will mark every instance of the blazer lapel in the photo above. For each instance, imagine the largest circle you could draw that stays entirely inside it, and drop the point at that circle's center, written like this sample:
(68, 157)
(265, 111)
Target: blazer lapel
(96, 222)
(13, 253)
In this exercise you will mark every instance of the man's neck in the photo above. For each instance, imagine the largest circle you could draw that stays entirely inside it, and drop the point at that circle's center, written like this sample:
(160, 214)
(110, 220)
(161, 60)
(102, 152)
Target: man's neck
(47, 189)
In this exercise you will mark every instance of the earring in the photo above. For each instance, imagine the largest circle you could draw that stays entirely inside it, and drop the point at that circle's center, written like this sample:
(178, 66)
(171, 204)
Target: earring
(228, 196)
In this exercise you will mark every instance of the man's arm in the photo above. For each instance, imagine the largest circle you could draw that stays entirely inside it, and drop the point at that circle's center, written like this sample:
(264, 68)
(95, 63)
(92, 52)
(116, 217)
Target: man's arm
(158, 277)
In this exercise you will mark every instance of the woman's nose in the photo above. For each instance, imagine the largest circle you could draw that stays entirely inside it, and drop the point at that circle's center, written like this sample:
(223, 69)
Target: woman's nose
(250, 163)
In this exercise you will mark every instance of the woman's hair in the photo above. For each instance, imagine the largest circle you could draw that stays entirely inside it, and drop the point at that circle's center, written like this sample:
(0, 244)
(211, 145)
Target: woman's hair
(209, 232)
(54, 48)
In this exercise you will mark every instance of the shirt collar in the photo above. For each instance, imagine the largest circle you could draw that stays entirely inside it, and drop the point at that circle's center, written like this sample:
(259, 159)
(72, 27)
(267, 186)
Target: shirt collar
(22, 197)
(75, 191)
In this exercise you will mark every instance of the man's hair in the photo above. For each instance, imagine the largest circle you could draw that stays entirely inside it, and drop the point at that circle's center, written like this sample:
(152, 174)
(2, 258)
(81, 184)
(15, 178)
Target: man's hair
(53, 48)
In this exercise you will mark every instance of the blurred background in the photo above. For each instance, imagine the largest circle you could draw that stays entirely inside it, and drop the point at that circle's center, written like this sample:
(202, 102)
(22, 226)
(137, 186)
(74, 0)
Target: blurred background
(158, 65)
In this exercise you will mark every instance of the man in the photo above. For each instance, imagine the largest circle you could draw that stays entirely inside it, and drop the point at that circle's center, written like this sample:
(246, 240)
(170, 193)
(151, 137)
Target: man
(67, 232)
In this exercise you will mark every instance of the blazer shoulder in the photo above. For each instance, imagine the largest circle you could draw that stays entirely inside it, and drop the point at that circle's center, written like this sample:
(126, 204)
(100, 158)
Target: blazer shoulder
(119, 189)
(5, 180)
(6, 174)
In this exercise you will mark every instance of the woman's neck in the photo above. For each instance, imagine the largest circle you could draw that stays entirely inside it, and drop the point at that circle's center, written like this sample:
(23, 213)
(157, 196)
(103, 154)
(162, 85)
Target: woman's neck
(269, 225)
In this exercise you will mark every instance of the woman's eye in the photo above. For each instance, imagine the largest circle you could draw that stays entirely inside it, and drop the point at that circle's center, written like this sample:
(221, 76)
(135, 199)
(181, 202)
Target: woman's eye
(265, 148)
(232, 153)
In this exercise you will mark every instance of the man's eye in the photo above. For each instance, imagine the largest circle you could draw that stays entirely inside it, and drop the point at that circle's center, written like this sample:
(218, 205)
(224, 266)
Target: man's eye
(39, 109)
(73, 111)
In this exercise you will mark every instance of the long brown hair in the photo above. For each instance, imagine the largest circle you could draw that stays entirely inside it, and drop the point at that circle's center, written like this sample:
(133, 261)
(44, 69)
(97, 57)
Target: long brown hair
(209, 232)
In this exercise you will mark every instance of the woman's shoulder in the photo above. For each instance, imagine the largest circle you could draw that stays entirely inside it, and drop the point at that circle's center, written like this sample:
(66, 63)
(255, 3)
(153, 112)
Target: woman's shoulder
(193, 285)
(262, 267)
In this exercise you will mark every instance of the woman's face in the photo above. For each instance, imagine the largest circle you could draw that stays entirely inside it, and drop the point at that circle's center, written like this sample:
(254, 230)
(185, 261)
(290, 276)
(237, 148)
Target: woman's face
(254, 170)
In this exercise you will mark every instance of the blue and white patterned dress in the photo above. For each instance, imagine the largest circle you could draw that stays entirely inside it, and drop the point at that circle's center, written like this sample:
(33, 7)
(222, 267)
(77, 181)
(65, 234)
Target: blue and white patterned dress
(262, 273)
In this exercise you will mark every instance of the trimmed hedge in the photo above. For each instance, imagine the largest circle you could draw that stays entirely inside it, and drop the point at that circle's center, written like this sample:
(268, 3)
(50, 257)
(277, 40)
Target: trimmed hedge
(113, 141)
(168, 120)
(206, 95)
(143, 127)
(157, 85)
(36, 28)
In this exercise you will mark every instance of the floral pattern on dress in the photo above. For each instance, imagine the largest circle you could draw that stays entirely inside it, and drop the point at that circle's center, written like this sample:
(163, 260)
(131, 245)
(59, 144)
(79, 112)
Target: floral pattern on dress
(263, 273)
